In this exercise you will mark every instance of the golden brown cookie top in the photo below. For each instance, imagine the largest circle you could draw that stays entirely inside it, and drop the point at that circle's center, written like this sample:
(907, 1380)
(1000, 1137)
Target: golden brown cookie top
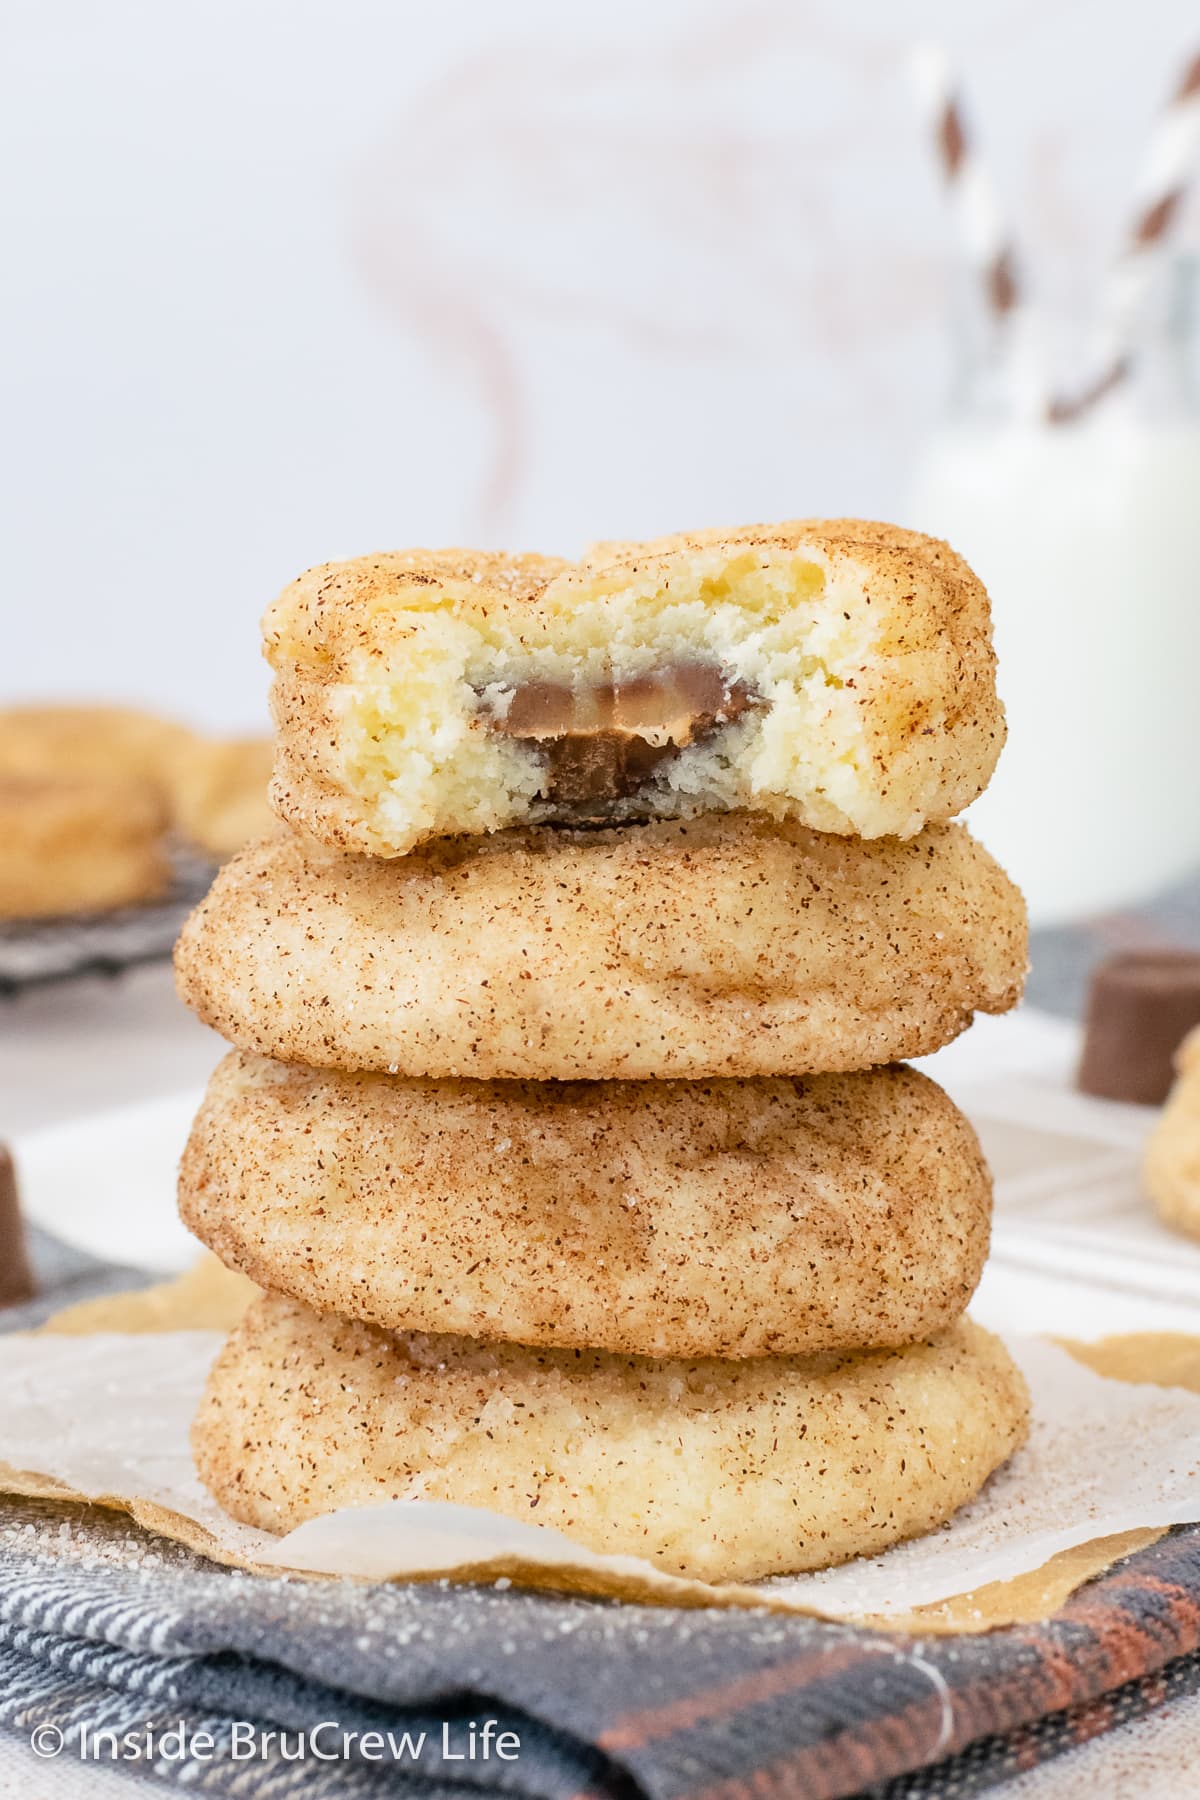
(42, 807)
(873, 542)
(709, 1218)
(331, 607)
(336, 608)
(89, 742)
(723, 946)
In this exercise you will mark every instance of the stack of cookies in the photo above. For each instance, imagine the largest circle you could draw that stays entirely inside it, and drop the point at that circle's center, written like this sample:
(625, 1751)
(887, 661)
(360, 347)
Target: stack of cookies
(567, 1131)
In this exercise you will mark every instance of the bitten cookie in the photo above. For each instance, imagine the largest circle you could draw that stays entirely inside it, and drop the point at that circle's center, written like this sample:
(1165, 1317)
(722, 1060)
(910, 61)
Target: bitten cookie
(1172, 1169)
(724, 946)
(76, 846)
(660, 1218)
(726, 1471)
(837, 672)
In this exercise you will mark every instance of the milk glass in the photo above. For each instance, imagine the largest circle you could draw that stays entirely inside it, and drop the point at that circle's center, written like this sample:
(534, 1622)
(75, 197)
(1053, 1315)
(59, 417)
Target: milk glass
(1087, 535)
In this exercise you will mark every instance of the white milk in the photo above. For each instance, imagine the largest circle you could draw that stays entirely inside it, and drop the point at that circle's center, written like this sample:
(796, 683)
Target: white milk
(1088, 538)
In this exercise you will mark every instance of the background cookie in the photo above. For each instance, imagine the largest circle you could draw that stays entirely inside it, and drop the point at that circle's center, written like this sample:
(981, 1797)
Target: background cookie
(726, 946)
(220, 793)
(93, 743)
(839, 672)
(724, 1471)
(212, 792)
(1172, 1168)
(76, 846)
(718, 1218)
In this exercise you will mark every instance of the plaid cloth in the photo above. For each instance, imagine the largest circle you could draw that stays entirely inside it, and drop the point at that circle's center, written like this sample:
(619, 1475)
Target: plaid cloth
(103, 1626)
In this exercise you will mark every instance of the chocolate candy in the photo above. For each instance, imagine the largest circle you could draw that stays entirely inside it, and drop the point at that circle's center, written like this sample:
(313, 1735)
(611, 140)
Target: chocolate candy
(16, 1277)
(1141, 1006)
(602, 743)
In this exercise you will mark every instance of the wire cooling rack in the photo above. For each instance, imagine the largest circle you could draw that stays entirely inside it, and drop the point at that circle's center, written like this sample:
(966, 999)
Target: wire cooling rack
(40, 950)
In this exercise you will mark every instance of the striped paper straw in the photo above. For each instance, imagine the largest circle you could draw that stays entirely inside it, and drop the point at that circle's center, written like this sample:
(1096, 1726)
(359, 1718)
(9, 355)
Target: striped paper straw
(1165, 179)
(985, 237)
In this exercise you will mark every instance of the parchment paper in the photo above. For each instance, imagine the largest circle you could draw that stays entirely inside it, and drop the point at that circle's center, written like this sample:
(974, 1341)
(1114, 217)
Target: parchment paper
(1113, 1459)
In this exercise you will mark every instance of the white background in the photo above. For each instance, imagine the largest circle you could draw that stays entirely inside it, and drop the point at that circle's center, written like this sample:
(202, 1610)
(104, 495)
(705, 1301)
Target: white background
(293, 279)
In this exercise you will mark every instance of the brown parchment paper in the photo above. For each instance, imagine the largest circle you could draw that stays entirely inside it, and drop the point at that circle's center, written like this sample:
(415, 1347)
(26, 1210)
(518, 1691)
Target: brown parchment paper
(1114, 1460)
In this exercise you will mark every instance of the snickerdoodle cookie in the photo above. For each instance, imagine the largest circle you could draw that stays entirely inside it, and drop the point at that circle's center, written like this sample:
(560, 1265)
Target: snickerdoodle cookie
(1173, 1151)
(93, 743)
(220, 793)
(727, 945)
(726, 1471)
(73, 845)
(659, 1218)
(837, 672)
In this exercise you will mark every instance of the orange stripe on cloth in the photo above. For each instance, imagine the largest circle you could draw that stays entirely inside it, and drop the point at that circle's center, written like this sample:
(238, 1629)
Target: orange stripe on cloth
(729, 1696)
(864, 1752)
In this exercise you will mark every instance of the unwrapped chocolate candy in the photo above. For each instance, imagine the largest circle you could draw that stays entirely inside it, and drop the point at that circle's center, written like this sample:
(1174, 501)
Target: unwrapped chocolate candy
(16, 1277)
(1141, 1006)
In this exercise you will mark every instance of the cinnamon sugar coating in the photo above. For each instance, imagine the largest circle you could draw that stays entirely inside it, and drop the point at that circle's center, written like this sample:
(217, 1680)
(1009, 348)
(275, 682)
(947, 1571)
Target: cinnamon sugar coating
(724, 1471)
(860, 653)
(727, 945)
(661, 1218)
(71, 845)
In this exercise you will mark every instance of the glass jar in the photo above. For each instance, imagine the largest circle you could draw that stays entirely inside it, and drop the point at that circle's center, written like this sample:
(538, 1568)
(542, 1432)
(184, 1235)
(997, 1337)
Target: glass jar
(1087, 535)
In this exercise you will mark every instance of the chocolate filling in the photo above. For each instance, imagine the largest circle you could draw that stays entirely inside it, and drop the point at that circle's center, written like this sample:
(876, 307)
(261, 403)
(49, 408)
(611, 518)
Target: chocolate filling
(602, 743)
